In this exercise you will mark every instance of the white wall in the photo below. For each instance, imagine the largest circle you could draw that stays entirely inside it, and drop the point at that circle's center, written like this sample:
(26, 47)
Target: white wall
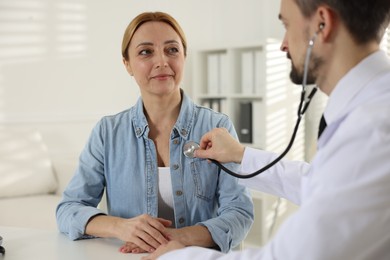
(60, 61)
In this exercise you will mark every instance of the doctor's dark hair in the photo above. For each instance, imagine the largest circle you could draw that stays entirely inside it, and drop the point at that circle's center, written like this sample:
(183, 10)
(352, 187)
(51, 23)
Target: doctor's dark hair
(366, 20)
(151, 17)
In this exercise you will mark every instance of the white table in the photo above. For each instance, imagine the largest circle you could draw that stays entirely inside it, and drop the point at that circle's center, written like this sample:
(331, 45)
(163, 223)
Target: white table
(31, 244)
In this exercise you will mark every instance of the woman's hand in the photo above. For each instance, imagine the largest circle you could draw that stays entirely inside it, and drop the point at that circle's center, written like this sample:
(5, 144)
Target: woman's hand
(187, 236)
(129, 247)
(191, 236)
(142, 234)
(172, 245)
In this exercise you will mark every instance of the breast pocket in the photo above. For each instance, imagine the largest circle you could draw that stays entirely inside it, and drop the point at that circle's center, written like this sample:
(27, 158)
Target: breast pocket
(205, 176)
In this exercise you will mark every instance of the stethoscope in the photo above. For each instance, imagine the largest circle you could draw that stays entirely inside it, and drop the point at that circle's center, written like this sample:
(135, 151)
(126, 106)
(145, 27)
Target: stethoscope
(190, 147)
(2, 250)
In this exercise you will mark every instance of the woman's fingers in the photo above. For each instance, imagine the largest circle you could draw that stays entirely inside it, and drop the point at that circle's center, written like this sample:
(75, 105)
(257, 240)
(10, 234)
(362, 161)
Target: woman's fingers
(129, 247)
(146, 232)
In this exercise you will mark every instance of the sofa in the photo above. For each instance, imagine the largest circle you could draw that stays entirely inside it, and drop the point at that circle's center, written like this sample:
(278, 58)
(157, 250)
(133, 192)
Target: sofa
(31, 182)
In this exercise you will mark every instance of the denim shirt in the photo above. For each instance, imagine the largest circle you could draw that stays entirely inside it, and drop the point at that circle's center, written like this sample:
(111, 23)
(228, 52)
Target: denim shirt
(120, 158)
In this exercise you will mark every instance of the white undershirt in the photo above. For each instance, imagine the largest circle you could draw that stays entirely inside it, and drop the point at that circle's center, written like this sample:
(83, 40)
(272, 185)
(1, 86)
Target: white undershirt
(165, 195)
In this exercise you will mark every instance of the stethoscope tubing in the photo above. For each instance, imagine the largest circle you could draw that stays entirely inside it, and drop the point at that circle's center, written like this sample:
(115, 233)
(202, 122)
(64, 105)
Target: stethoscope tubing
(275, 161)
(303, 105)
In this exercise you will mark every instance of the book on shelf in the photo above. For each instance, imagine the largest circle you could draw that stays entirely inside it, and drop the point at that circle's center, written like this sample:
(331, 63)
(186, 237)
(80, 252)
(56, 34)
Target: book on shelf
(217, 72)
(223, 73)
(258, 123)
(245, 122)
(259, 72)
(247, 72)
(213, 73)
(216, 104)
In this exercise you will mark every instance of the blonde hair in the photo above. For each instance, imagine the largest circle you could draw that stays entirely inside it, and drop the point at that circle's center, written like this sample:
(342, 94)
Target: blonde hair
(150, 17)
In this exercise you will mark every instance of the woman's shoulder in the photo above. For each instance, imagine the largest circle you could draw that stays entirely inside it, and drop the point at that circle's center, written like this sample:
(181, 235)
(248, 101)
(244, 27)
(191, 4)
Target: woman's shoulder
(115, 120)
(203, 111)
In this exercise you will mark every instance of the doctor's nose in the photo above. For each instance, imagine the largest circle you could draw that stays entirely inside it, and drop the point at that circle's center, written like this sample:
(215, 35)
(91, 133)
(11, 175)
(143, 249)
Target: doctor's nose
(284, 46)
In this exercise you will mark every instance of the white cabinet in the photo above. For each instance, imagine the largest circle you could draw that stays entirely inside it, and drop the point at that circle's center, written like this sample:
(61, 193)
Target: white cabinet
(250, 83)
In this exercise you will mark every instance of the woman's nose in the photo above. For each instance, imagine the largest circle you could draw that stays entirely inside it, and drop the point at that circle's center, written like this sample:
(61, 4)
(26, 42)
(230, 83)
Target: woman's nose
(161, 60)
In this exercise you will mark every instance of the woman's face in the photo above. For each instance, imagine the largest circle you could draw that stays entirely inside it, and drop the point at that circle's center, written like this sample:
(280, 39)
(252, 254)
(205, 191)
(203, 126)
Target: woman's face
(156, 58)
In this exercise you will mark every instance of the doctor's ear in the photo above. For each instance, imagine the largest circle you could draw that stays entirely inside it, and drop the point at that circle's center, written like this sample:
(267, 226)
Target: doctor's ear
(325, 18)
(128, 67)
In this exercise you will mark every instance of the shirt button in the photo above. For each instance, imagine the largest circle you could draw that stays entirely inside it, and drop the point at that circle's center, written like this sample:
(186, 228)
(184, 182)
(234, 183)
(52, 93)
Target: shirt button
(175, 141)
(183, 132)
(175, 166)
(179, 193)
(138, 131)
(181, 220)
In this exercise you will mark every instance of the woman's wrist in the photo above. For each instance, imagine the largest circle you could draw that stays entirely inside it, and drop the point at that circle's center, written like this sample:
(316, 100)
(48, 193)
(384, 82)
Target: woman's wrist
(102, 225)
(193, 236)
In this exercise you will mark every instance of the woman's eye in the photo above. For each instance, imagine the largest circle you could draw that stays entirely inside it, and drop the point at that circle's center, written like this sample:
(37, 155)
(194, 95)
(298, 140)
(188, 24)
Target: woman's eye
(173, 50)
(145, 52)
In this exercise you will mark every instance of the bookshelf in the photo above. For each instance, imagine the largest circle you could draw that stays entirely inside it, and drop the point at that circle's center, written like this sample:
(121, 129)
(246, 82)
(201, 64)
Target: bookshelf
(227, 78)
(250, 83)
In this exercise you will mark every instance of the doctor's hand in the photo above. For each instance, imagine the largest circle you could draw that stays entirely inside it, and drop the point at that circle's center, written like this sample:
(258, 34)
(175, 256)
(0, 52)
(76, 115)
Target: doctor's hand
(219, 145)
(172, 245)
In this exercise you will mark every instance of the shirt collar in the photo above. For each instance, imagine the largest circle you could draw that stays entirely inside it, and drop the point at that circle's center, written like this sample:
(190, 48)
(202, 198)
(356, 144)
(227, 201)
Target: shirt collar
(182, 126)
(353, 83)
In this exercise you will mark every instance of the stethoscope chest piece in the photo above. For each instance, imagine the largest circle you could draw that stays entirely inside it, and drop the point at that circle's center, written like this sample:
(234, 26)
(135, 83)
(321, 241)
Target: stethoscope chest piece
(189, 149)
